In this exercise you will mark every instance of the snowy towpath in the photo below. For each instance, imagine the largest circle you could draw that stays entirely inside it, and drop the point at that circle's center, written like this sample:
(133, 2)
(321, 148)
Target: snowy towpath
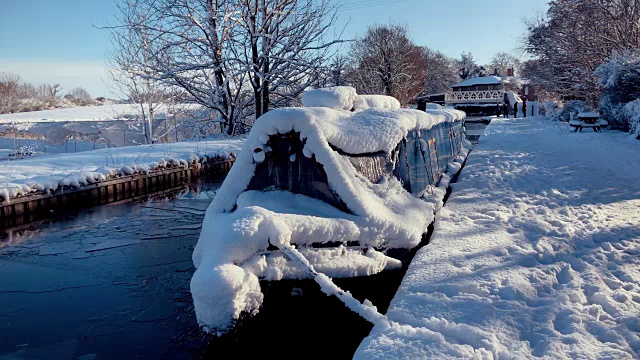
(535, 255)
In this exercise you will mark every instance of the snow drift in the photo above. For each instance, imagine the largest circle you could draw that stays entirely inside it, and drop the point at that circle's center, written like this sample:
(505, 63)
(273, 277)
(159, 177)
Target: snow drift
(243, 226)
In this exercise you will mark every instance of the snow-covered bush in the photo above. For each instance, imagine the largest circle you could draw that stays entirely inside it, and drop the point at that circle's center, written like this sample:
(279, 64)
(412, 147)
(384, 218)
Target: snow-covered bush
(563, 113)
(631, 111)
(552, 110)
(620, 78)
(572, 106)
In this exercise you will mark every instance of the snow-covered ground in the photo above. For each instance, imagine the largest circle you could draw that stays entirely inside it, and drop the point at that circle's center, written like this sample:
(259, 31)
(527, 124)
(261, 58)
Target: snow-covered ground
(535, 255)
(83, 113)
(85, 128)
(47, 172)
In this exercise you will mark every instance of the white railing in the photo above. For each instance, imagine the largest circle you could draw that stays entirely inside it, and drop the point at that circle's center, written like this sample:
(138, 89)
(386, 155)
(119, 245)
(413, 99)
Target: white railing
(482, 96)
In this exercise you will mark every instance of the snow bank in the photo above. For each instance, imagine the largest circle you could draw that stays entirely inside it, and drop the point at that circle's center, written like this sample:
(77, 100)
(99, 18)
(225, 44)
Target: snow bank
(513, 98)
(337, 98)
(240, 225)
(632, 112)
(46, 173)
(535, 254)
(363, 102)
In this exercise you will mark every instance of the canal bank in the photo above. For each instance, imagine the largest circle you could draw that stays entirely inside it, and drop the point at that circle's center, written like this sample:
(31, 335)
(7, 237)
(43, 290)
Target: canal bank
(118, 187)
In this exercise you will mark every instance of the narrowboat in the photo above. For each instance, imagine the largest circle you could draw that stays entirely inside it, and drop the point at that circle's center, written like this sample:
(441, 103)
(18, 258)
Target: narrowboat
(352, 182)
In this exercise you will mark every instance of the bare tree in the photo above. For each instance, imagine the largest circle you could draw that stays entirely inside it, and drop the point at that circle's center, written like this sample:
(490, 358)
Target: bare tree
(441, 72)
(9, 92)
(80, 96)
(48, 95)
(338, 70)
(286, 47)
(503, 61)
(387, 62)
(130, 66)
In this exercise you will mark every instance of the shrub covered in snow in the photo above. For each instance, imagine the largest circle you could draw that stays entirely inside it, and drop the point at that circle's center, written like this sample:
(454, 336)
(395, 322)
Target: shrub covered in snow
(563, 113)
(551, 110)
(620, 78)
(631, 111)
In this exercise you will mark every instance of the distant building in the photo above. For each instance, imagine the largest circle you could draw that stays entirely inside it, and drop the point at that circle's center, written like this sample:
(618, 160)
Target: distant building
(478, 90)
(528, 92)
(483, 94)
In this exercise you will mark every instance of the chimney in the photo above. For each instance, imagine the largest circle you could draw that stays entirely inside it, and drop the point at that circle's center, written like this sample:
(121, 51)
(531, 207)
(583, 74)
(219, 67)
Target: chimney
(510, 72)
(496, 71)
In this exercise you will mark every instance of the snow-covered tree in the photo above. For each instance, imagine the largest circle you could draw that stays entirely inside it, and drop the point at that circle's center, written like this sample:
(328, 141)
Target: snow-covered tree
(79, 96)
(503, 61)
(620, 78)
(282, 47)
(9, 92)
(236, 57)
(130, 67)
(467, 67)
(184, 44)
(387, 62)
(575, 37)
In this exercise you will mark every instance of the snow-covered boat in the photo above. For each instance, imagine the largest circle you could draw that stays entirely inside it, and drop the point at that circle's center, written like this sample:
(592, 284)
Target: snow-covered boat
(351, 182)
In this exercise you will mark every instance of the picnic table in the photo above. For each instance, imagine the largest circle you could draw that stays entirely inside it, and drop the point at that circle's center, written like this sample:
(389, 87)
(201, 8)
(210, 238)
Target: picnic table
(588, 120)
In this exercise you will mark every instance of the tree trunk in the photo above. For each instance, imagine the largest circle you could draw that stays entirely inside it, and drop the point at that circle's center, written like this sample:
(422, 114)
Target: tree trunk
(265, 89)
(219, 72)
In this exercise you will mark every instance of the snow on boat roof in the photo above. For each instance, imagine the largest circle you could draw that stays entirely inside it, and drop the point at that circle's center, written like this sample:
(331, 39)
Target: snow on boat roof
(483, 80)
(367, 131)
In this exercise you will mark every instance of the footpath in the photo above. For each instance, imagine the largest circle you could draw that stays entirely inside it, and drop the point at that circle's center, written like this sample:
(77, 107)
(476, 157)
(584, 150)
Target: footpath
(535, 255)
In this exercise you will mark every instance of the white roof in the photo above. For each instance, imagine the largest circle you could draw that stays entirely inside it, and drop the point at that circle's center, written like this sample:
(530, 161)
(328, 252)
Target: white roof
(484, 80)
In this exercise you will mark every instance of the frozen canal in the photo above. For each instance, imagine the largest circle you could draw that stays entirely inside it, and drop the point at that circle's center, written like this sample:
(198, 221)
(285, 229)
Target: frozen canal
(109, 282)
(475, 129)
(113, 282)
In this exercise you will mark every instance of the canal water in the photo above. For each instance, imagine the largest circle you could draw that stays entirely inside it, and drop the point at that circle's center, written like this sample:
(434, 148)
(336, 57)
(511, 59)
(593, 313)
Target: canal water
(113, 282)
(475, 129)
(107, 282)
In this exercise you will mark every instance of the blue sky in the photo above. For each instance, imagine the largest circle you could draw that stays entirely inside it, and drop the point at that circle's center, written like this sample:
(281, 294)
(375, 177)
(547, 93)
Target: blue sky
(57, 41)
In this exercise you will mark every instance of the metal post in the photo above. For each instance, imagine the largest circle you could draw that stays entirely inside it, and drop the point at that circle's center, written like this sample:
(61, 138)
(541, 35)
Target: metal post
(15, 134)
(175, 126)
